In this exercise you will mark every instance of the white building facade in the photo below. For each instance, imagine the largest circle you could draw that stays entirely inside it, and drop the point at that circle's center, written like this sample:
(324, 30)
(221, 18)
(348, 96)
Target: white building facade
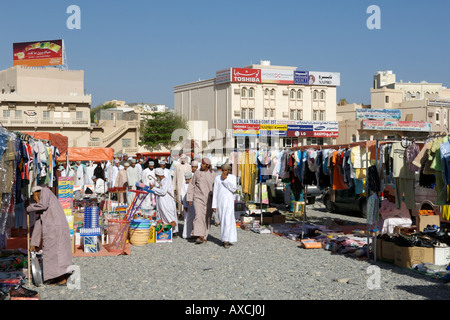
(261, 94)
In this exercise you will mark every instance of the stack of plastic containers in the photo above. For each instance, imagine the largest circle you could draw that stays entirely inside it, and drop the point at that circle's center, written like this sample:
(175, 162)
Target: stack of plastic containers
(139, 231)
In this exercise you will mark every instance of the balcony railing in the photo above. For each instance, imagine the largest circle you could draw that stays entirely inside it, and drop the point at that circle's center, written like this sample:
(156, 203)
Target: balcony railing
(33, 122)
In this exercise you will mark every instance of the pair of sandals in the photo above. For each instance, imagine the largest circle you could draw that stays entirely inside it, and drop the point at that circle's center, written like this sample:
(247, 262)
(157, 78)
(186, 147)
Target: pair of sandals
(200, 240)
(226, 245)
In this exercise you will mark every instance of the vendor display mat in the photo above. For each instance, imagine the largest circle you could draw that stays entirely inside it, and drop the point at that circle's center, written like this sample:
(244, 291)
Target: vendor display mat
(79, 252)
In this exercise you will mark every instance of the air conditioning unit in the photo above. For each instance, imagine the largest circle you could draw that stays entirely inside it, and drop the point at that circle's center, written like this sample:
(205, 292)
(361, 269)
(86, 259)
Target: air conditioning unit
(51, 107)
(72, 107)
(237, 91)
(285, 114)
(11, 105)
(237, 113)
(285, 92)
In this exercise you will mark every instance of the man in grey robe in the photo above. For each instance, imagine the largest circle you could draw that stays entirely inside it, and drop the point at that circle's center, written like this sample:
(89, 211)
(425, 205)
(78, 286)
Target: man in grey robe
(52, 229)
(200, 195)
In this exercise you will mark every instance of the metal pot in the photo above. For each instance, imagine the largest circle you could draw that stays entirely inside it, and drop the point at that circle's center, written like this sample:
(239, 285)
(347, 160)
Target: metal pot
(36, 270)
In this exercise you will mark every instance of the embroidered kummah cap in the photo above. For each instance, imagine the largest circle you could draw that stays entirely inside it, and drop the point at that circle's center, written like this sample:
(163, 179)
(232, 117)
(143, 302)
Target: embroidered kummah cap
(159, 172)
(188, 175)
(126, 164)
(226, 166)
(151, 163)
(36, 189)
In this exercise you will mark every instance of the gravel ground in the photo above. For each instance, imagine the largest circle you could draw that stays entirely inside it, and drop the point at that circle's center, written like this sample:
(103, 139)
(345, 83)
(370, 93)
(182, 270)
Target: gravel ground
(258, 267)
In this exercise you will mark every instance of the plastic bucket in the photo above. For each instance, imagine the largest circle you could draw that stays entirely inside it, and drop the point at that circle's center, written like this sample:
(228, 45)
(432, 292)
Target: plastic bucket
(117, 235)
(141, 224)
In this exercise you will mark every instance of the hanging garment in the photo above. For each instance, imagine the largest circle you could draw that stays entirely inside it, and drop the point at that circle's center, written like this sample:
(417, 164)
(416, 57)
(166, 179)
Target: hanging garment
(404, 177)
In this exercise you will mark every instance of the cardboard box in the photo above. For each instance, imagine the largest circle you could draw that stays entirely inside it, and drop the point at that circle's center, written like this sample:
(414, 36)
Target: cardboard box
(311, 244)
(388, 251)
(163, 237)
(92, 244)
(72, 240)
(441, 256)
(423, 221)
(266, 220)
(151, 237)
(406, 257)
(247, 219)
(279, 218)
(379, 249)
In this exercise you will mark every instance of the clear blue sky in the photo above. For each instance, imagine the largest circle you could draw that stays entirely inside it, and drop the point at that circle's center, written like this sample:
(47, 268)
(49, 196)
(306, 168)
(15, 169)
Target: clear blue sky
(138, 51)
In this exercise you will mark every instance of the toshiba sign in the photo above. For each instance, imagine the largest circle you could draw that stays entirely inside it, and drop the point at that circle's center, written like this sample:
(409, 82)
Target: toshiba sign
(246, 75)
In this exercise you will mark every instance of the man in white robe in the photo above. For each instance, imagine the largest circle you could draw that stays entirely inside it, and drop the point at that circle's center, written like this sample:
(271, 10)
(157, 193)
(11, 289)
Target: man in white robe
(166, 171)
(112, 173)
(100, 187)
(179, 180)
(133, 176)
(188, 210)
(223, 203)
(148, 178)
(88, 173)
(165, 201)
(79, 175)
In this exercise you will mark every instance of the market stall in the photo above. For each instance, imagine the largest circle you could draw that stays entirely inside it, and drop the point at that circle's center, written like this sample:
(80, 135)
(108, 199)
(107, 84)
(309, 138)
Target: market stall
(404, 184)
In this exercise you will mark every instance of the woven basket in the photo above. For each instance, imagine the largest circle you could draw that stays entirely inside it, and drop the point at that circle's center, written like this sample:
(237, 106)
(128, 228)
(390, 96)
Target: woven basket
(139, 237)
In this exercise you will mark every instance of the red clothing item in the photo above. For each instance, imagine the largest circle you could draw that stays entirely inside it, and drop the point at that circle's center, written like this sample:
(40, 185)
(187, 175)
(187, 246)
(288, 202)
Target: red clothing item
(338, 179)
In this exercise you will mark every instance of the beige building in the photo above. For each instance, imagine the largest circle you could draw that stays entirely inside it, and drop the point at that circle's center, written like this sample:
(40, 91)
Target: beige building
(270, 95)
(418, 102)
(118, 128)
(46, 100)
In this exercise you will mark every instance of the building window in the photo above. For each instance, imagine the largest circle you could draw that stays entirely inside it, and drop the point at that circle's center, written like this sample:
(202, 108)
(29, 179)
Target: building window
(387, 99)
(6, 114)
(243, 113)
(79, 114)
(314, 141)
(272, 92)
(272, 113)
(18, 114)
(251, 93)
(266, 92)
(299, 95)
(322, 95)
(315, 115)
(250, 113)
(126, 143)
(315, 95)
(266, 113)
(46, 114)
(292, 94)
(292, 115)
(321, 115)
(244, 92)
(299, 114)
(437, 116)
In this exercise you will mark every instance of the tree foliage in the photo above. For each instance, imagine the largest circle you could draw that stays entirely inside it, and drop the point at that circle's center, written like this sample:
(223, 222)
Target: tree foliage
(157, 129)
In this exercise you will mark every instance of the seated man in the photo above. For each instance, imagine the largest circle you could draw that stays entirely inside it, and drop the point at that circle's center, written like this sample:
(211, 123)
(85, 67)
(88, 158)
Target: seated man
(100, 185)
(390, 216)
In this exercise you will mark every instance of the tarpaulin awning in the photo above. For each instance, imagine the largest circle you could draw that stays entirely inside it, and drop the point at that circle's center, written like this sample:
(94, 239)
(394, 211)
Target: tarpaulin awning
(88, 154)
(56, 139)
